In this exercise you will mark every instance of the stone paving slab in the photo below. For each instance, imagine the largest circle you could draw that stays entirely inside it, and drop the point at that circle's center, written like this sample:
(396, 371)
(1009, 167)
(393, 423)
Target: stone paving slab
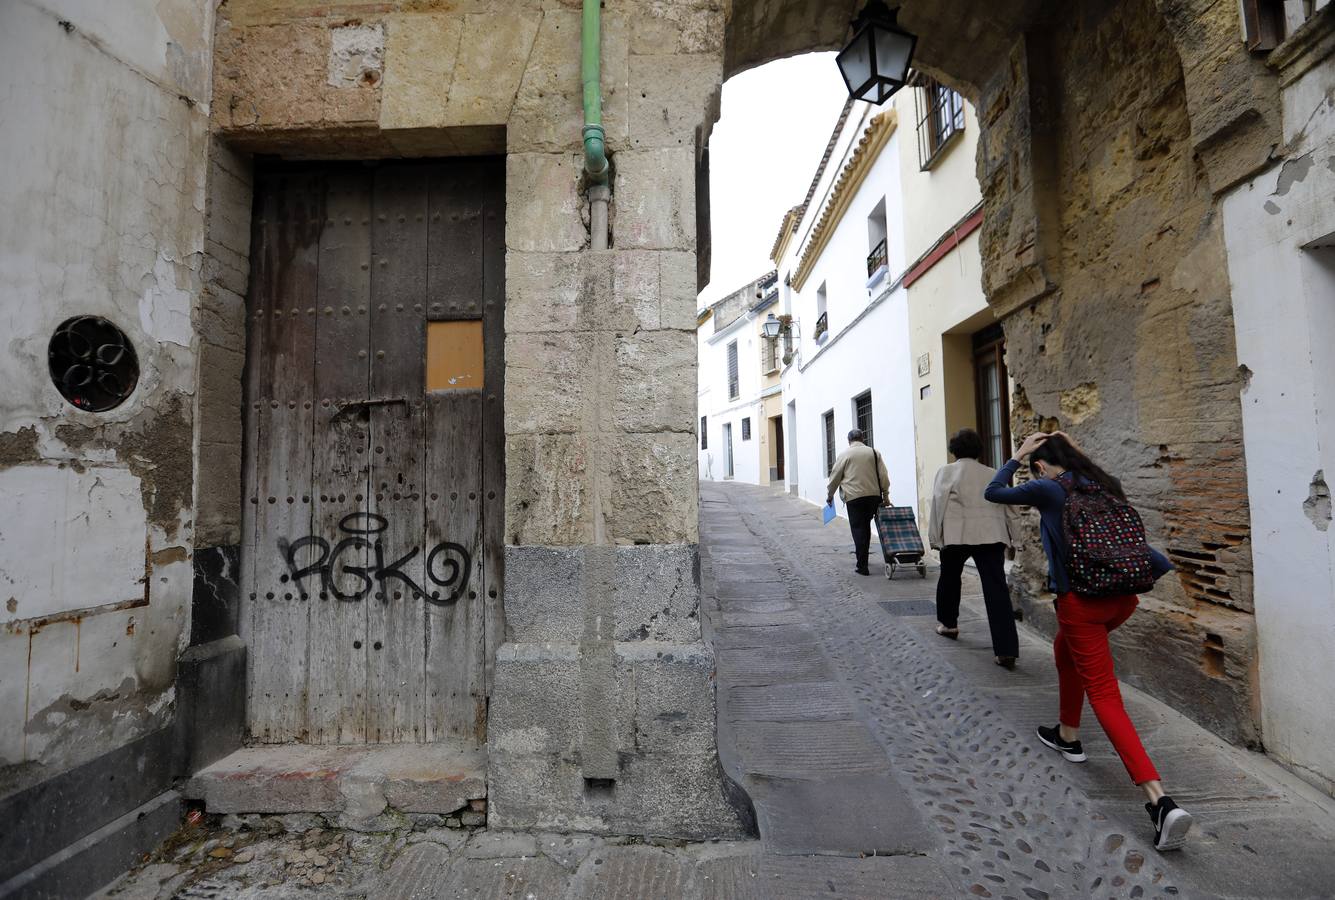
(854, 815)
(874, 878)
(650, 873)
(766, 665)
(804, 701)
(357, 780)
(750, 637)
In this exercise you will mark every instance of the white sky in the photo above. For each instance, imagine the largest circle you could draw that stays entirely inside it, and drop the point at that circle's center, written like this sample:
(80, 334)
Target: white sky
(775, 123)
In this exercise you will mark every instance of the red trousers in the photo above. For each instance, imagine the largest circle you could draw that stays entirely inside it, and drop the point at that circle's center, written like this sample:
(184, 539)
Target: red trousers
(1085, 668)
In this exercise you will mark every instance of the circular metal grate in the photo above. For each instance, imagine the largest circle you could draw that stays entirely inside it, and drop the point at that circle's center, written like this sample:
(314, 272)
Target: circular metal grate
(93, 363)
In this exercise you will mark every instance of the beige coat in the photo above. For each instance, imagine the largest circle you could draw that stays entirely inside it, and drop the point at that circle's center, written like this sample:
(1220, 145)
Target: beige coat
(855, 473)
(960, 515)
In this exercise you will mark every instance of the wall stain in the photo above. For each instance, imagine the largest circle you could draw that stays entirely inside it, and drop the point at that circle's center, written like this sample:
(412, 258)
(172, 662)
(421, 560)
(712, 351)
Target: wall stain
(156, 446)
(19, 447)
(1317, 505)
(1293, 172)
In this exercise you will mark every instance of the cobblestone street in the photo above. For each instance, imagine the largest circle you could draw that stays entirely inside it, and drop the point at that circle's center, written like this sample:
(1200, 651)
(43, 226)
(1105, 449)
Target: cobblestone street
(857, 730)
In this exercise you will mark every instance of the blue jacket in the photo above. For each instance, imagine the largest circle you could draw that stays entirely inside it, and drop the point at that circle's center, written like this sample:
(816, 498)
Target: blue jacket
(1048, 497)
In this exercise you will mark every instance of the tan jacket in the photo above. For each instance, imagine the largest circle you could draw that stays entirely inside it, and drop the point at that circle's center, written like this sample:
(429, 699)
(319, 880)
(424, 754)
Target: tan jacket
(855, 472)
(960, 515)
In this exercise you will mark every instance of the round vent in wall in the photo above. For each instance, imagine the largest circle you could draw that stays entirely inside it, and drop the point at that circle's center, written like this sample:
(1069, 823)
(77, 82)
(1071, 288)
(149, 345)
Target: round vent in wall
(93, 363)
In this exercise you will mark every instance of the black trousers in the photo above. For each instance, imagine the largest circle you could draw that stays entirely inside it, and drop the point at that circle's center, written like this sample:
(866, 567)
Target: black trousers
(990, 560)
(861, 512)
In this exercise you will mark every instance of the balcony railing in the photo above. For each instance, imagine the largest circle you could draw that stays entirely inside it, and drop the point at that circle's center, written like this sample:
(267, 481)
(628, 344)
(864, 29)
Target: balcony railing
(822, 326)
(876, 258)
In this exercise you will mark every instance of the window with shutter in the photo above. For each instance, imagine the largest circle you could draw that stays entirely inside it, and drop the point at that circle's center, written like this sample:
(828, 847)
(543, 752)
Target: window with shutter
(829, 441)
(746, 429)
(734, 386)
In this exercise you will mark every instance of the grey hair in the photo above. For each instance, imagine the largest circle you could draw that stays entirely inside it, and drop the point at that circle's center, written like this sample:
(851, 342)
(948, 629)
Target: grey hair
(857, 434)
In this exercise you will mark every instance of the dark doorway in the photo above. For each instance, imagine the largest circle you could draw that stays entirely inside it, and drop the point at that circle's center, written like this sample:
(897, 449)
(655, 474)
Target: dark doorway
(777, 438)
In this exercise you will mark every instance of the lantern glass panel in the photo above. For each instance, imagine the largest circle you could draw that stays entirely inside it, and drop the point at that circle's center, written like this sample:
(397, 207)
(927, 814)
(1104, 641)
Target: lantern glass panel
(856, 62)
(894, 50)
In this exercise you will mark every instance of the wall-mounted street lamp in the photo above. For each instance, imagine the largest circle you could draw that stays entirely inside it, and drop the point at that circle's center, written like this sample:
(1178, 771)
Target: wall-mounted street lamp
(876, 62)
(776, 326)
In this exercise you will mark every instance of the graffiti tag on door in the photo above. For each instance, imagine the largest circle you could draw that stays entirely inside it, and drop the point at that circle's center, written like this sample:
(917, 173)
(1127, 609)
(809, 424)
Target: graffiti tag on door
(448, 565)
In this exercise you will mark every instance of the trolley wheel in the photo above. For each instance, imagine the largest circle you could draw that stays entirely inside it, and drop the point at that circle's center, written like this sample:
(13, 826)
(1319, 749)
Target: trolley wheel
(922, 570)
(889, 572)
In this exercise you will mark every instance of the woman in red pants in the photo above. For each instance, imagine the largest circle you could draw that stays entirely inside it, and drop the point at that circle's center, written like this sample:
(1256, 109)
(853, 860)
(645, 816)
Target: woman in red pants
(1084, 659)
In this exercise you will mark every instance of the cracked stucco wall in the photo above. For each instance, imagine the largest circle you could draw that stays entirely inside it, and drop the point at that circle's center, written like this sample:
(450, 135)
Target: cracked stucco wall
(105, 113)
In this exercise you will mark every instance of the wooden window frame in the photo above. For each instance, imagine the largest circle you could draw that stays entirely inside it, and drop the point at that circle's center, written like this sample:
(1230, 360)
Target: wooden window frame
(935, 133)
(734, 372)
(989, 345)
(827, 426)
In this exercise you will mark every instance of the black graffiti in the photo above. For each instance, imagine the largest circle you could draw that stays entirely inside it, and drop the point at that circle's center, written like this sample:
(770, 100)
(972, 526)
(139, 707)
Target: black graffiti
(448, 565)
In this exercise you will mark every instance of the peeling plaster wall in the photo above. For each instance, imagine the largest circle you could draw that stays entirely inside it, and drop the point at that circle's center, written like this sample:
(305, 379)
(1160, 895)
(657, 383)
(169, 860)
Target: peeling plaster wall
(1280, 232)
(104, 143)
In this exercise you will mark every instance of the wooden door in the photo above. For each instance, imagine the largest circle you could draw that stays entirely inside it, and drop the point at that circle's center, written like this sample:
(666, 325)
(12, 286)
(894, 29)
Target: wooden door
(372, 561)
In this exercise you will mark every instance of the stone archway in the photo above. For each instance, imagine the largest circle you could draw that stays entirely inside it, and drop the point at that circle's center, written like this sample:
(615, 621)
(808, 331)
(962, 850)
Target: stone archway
(1109, 132)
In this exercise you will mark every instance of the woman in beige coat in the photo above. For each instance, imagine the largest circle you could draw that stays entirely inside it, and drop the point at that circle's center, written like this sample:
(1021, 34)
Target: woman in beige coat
(964, 525)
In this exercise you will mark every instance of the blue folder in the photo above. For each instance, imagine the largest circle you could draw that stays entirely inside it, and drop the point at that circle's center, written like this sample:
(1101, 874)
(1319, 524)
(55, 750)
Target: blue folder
(827, 513)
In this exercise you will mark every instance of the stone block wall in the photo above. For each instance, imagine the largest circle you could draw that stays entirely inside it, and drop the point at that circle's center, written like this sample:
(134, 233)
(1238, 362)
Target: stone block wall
(600, 379)
(1126, 338)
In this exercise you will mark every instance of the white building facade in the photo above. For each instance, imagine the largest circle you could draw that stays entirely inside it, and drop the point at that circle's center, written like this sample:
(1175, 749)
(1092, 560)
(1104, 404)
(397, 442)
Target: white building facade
(1279, 229)
(840, 257)
(737, 370)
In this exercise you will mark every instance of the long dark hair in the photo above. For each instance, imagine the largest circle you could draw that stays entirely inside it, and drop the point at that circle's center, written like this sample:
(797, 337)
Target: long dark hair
(1058, 451)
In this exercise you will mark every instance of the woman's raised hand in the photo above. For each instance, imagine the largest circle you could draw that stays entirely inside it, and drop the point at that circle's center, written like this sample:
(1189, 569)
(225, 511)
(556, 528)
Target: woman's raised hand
(1031, 443)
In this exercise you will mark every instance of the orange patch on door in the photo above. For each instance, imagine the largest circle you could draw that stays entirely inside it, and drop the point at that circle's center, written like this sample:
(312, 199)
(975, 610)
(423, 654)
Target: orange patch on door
(454, 355)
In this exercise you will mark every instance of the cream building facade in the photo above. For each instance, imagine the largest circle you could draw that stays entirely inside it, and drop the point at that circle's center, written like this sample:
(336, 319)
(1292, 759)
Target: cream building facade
(956, 343)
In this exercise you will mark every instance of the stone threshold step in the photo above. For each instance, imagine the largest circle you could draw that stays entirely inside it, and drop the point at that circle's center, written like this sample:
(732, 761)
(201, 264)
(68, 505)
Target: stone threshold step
(357, 782)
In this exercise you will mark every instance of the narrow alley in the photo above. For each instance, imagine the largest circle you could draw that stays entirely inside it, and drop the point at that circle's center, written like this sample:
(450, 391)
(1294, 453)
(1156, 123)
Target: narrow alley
(858, 731)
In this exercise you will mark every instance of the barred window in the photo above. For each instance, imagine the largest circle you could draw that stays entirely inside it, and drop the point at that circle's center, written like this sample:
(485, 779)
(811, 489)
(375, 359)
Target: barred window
(828, 424)
(734, 385)
(704, 433)
(862, 414)
(746, 429)
(940, 117)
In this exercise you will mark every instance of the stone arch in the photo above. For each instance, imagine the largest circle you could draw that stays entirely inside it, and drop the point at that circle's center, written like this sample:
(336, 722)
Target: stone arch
(1109, 131)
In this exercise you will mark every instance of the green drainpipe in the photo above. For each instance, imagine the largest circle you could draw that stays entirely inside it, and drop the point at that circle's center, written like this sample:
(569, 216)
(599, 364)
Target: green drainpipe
(595, 149)
(595, 146)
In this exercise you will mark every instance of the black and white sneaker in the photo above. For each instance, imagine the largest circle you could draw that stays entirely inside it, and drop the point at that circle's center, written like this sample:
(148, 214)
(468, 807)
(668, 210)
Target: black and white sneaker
(1052, 737)
(1171, 824)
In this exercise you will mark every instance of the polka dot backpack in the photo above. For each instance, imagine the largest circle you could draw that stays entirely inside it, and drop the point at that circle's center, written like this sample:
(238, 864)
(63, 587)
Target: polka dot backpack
(1107, 554)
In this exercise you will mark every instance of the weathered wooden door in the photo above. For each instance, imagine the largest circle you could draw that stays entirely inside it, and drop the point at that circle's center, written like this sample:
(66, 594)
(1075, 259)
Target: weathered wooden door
(374, 463)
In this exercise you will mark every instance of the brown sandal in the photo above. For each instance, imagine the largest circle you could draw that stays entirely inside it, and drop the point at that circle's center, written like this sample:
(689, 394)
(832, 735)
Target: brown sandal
(951, 633)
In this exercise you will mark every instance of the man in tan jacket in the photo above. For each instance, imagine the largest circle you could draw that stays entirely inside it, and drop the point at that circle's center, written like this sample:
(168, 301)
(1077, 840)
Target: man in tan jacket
(861, 477)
